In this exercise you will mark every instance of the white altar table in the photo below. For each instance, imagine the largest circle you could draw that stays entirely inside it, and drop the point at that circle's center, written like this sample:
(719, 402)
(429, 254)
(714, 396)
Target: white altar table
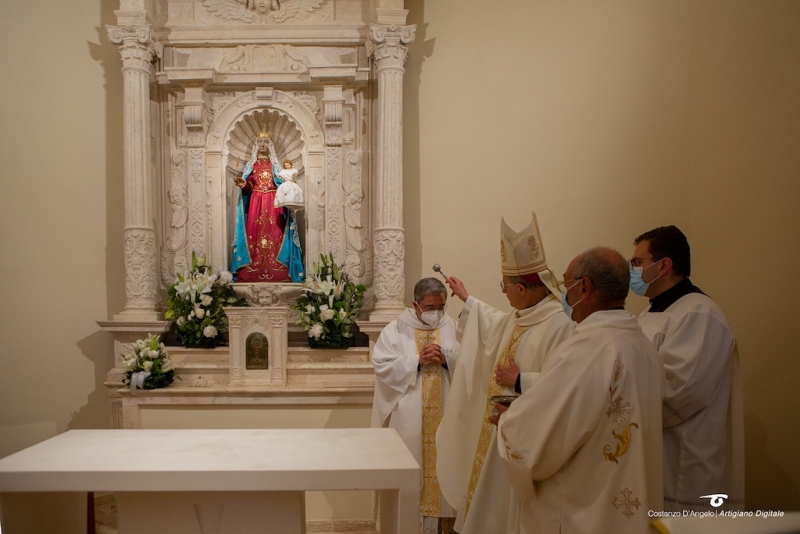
(214, 481)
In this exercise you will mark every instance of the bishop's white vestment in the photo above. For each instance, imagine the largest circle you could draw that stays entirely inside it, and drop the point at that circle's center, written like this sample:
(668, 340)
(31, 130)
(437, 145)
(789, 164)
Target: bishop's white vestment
(582, 447)
(470, 471)
(703, 409)
(412, 396)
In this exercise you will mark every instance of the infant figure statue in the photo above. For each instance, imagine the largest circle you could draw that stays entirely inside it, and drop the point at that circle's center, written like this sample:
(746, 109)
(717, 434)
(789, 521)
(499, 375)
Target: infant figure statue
(289, 195)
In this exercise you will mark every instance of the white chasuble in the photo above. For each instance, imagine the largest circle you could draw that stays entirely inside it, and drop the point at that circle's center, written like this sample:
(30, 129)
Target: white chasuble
(703, 408)
(412, 397)
(582, 447)
(469, 469)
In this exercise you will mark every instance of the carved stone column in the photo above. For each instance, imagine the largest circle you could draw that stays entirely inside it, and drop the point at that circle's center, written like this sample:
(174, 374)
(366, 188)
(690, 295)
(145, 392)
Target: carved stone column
(387, 46)
(138, 49)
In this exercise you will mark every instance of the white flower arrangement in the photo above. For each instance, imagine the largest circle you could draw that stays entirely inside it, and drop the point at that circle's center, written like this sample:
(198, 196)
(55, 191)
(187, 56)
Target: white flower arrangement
(329, 306)
(148, 365)
(195, 304)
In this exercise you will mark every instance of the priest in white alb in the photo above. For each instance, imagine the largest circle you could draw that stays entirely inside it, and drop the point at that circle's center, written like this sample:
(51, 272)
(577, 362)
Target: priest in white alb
(703, 411)
(413, 359)
(501, 353)
(582, 446)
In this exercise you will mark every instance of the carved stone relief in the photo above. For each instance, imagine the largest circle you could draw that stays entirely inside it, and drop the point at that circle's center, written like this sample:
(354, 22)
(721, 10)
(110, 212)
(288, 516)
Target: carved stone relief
(218, 102)
(268, 294)
(356, 241)
(389, 254)
(173, 250)
(140, 257)
(263, 11)
(264, 59)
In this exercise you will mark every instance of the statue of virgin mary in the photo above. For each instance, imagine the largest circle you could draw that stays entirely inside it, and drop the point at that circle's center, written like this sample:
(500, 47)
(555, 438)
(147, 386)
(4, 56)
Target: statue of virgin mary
(266, 245)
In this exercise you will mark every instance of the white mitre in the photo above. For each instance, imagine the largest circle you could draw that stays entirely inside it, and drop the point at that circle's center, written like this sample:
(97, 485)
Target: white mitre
(522, 253)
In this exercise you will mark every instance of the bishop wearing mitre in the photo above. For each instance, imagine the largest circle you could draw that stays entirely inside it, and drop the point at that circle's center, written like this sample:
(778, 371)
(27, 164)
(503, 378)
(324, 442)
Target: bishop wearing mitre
(501, 353)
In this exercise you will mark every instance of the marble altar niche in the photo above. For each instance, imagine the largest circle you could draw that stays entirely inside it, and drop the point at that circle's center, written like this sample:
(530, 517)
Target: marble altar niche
(200, 79)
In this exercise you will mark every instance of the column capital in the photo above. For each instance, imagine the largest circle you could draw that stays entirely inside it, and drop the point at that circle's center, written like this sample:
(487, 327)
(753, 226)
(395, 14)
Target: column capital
(137, 45)
(387, 44)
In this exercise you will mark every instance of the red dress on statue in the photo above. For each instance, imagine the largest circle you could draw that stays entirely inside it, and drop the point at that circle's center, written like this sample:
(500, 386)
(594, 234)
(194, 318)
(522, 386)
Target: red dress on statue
(264, 227)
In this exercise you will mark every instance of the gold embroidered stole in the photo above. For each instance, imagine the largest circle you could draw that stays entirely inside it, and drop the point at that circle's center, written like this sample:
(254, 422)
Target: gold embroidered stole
(509, 352)
(431, 495)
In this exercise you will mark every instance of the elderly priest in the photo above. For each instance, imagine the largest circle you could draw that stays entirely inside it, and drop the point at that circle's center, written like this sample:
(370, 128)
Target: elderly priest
(501, 353)
(582, 446)
(413, 359)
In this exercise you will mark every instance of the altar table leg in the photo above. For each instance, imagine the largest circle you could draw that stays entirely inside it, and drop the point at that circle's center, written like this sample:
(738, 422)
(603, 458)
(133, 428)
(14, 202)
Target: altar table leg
(399, 511)
(207, 512)
(43, 512)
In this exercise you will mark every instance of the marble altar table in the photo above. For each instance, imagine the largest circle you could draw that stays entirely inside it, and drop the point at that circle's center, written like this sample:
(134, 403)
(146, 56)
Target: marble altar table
(213, 481)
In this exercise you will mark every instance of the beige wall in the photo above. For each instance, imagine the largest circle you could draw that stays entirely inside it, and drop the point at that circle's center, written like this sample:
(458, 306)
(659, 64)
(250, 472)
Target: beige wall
(607, 118)
(60, 214)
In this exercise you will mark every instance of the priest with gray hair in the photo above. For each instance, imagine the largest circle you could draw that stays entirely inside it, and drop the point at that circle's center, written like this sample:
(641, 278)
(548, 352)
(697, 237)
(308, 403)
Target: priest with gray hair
(413, 359)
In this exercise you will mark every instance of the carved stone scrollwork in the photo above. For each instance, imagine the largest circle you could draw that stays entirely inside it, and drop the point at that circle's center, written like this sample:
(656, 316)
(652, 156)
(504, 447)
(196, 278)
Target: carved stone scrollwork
(140, 257)
(388, 45)
(195, 125)
(333, 205)
(389, 264)
(138, 46)
(264, 58)
(198, 200)
(310, 102)
(219, 101)
(198, 229)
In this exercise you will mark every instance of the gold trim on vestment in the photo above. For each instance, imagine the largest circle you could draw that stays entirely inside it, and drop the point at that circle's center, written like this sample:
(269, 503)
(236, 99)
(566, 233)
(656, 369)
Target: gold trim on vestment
(485, 439)
(431, 494)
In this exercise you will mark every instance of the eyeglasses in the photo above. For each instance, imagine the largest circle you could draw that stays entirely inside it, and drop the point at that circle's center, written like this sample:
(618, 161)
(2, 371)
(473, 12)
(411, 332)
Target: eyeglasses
(431, 307)
(637, 262)
(503, 286)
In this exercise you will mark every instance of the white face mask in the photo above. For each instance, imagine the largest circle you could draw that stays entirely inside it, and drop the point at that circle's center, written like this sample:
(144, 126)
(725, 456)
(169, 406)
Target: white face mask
(432, 318)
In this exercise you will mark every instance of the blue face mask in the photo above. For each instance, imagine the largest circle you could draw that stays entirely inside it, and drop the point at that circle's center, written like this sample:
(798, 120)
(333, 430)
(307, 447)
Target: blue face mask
(639, 286)
(567, 308)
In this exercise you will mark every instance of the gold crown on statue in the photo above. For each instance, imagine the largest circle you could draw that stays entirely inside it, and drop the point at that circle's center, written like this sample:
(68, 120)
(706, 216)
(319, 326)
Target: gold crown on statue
(264, 134)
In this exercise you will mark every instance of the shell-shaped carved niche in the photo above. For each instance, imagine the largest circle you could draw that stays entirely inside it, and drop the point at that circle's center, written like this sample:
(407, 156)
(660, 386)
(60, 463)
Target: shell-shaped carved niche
(286, 138)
